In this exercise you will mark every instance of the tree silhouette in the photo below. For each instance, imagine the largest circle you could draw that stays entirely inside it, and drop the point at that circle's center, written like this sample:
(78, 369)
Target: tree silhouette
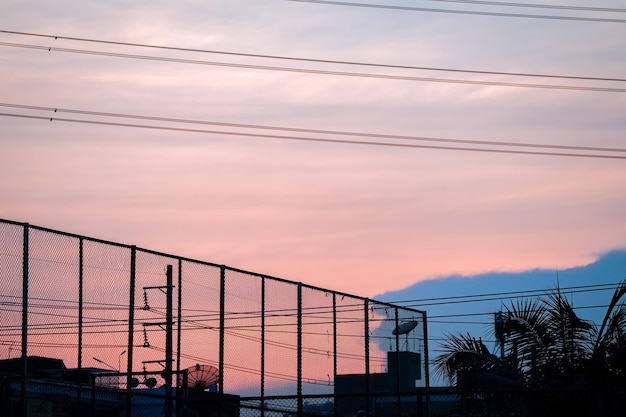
(551, 361)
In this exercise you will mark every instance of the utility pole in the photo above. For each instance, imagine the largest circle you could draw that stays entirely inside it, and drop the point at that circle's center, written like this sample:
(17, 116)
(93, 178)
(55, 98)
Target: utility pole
(169, 326)
(169, 321)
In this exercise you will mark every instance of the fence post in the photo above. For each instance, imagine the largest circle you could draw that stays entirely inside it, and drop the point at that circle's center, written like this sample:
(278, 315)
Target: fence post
(426, 364)
(397, 362)
(131, 329)
(335, 349)
(222, 322)
(79, 400)
(180, 314)
(80, 303)
(169, 321)
(25, 264)
(262, 346)
(299, 365)
(368, 405)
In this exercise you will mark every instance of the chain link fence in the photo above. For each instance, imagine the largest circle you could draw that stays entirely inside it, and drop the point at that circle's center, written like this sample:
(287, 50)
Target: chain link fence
(112, 328)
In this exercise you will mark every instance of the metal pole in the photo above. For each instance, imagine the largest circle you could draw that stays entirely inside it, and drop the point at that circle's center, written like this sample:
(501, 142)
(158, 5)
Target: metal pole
(169, 321)
(80, 303)
(25, 263)
(131, 330)
(397, 363)
(300, 399)
(262, 346)
(367, 359)
(222, 320)
(180, 314)
(426, 364)
(335, 348)
(79, 399)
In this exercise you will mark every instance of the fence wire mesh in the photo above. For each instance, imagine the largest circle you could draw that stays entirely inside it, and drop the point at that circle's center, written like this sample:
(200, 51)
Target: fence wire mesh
(76, 310)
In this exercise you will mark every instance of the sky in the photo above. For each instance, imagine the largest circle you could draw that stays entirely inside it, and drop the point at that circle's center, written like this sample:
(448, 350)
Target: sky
(470, 307)
(352, 217)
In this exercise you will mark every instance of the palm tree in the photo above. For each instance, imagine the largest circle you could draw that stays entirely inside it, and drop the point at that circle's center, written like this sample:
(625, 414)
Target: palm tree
(477, 373)
(547, 349)
(467, 361)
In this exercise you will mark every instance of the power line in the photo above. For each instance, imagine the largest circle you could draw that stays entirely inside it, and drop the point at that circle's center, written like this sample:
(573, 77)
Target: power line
(313, 131)
(509, 294)
(319, 72)
(436, 300)
(465, 12)
(317, 140)
(311, 60)
(537, 6)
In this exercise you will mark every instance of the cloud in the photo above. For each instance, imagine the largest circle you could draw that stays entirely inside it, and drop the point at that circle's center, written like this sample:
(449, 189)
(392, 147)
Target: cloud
(466, 303)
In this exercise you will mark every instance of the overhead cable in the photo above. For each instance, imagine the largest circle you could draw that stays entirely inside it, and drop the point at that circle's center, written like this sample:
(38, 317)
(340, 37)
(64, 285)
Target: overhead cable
(310, 60)
(318, 72)
(536, 6)
(312, 131)
(465, 12)
(568, 151)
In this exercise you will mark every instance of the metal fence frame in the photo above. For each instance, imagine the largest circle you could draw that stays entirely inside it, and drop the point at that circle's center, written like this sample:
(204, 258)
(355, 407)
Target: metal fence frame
(272, 303)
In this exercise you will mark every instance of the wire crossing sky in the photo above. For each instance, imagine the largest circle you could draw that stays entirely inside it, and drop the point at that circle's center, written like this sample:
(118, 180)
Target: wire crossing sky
(482, 13)
(369, 64)
(608, 153)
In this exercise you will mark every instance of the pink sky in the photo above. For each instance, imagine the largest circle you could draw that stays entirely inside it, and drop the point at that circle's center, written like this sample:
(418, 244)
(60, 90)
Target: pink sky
(358, 219)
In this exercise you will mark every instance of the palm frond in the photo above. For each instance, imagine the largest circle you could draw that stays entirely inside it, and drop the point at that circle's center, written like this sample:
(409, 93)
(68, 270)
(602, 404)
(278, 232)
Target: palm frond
(525, 327)
(462, 352)
(620, 291)
(614, 334)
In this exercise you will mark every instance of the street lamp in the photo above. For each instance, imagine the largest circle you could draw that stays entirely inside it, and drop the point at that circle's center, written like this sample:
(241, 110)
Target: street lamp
(104, 363)
(119, 361)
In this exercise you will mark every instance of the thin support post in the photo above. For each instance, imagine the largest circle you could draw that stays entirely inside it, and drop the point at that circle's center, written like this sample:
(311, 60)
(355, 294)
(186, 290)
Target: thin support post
(397, 363)
(300, 400)
(79, 393)
(80, 303)
(169, 321)
(335, 346)
(367, 358)
(262, 346)
(222, 322)
(25, 264)
(426, 362)
(180, 314)
(131, 329)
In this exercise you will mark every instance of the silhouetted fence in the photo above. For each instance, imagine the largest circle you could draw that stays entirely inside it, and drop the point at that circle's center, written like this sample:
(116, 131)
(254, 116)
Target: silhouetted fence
(244, 339)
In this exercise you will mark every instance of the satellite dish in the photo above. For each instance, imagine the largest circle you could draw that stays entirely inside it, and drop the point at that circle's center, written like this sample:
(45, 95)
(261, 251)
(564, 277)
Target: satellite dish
(202, 376)
(405, 327)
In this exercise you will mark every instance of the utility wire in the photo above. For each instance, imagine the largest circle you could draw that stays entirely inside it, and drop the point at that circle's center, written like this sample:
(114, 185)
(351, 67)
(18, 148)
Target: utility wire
(313, 131)
(291, 312)
(465, 12)
(318, 140)
(509, 294)
(197, 319)
(318, 72)
(311, 60)
(536, 6)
